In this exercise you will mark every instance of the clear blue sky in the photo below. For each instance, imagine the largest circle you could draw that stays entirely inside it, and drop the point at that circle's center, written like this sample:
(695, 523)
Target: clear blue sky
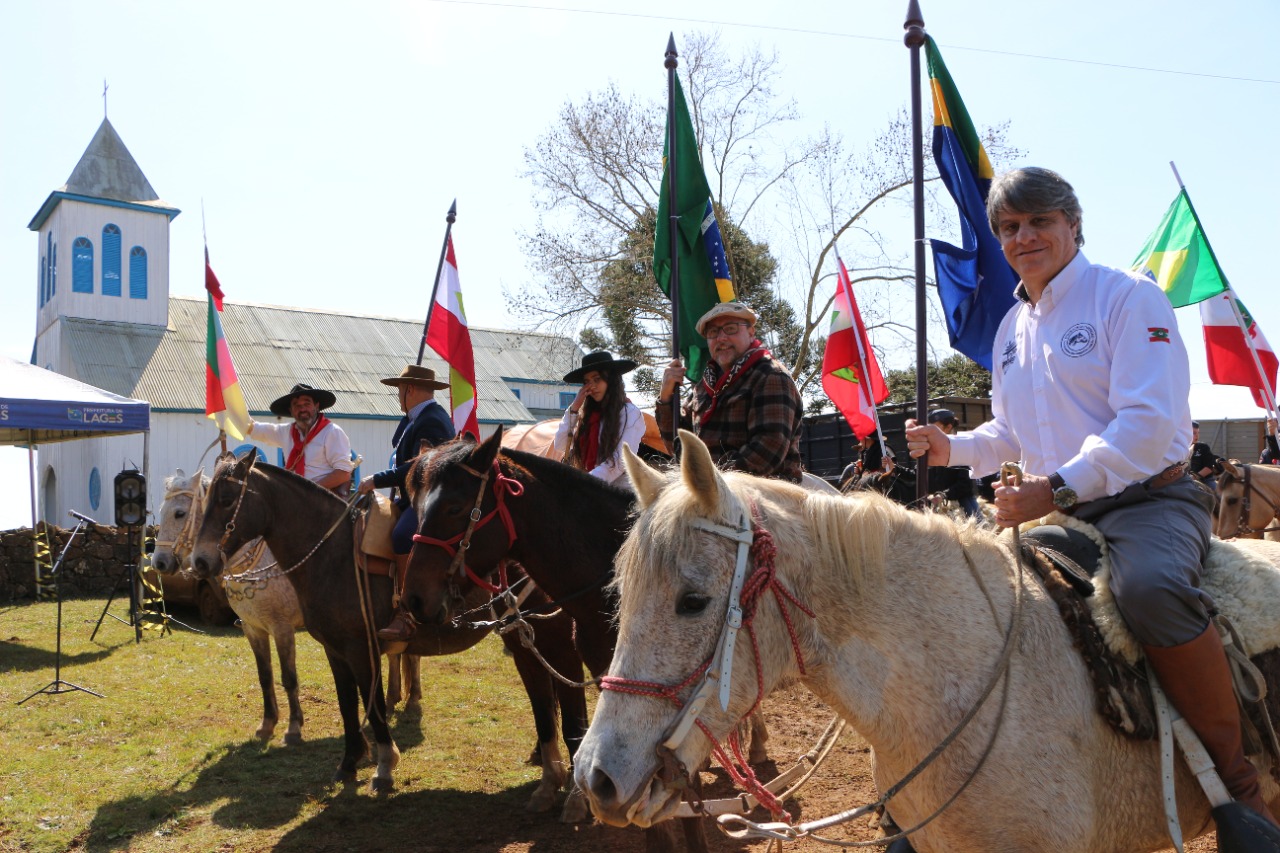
(321, 136)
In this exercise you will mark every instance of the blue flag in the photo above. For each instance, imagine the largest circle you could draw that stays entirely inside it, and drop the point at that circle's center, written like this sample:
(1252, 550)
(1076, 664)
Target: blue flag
(975, 282)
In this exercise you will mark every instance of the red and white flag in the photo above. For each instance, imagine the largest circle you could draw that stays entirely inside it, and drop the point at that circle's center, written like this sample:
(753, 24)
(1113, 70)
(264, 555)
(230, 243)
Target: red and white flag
(450, 337)
(850, 375)
(1230, 361)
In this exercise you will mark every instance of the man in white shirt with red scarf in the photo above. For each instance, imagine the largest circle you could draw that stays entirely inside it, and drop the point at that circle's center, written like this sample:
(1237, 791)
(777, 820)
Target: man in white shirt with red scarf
(314, 446)
(1089, 392)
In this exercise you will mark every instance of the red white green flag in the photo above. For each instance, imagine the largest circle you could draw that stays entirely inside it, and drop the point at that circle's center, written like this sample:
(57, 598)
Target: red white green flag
(850, 375)
(450, 338)
(223, 399)
(1228, 351)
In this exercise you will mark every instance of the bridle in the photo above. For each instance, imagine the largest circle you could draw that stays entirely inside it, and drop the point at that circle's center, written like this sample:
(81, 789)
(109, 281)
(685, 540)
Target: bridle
(1246, 506)
(186, 538)
(502, 486)
(716, 673)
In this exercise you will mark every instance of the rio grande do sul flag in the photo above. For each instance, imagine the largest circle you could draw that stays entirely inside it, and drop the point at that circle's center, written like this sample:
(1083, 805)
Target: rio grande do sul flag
(450, 338)
(850, 375)
(1230, 362)
(223, 399)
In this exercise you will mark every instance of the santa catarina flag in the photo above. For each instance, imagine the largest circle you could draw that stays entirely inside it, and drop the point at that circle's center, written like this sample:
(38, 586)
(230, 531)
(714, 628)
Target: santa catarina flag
(850, 375)
(449, 336)
(975, 282)
(704, 272)
(1230, 361)
(1178, 258)
(223, 399)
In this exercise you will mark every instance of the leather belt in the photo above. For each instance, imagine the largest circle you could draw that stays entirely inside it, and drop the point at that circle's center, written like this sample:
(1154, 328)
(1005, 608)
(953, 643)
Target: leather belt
(1172, 474)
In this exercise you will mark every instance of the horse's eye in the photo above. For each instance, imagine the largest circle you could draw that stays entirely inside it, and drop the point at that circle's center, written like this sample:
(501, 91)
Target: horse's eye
(179, 513)
(455, 510)
(692, 603)
(1232, 501)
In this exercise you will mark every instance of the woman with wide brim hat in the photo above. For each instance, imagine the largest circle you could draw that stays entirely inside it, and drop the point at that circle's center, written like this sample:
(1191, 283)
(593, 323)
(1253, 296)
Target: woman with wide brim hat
(601, 419)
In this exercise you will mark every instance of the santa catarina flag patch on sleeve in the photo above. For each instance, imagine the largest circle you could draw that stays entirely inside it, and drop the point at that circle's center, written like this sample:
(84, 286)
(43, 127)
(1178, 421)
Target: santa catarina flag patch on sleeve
(1159, 334)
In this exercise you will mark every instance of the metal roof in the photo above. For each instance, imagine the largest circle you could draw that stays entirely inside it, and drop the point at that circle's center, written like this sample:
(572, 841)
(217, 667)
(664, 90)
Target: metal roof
(275, 347)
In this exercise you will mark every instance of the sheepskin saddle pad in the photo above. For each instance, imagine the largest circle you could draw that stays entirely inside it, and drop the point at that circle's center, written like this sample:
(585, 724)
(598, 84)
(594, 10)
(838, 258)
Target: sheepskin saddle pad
(1071, 559)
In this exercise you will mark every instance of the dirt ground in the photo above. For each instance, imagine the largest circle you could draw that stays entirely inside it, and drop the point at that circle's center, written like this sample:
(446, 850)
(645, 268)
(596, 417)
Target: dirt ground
(796, 720)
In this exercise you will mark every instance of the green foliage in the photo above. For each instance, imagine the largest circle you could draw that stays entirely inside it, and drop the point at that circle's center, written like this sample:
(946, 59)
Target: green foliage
(954, 376)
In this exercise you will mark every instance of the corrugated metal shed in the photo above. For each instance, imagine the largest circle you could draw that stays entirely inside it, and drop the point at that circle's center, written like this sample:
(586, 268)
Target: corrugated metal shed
(274, 347)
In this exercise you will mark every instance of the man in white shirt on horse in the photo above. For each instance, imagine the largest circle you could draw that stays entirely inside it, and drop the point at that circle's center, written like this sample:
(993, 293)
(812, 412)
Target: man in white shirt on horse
(1090, 392)
(314, 446)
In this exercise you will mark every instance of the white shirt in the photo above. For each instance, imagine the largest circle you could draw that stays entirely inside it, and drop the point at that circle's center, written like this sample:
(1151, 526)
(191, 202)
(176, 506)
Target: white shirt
(632, 432)
(1091, 382)
(328, 452)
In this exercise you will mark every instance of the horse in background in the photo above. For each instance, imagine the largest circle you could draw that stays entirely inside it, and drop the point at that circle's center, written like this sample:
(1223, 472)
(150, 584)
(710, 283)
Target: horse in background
(902, 621)
(1248, 501)
(312, 535)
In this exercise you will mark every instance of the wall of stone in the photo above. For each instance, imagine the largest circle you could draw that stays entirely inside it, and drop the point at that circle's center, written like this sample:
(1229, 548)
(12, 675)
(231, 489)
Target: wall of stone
(93, 566)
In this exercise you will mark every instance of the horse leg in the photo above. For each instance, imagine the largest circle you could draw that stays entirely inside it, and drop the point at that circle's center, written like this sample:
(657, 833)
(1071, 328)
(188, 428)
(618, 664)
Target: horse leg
(393, 680)
(286, 651)
(261, 645)
(412, 672)
(369, 680)
(542, 700)
(555, 642)
(758, 752)
(355, 747)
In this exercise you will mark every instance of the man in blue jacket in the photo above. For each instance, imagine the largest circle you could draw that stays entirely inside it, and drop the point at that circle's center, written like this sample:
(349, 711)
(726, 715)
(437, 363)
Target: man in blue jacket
(425, 420)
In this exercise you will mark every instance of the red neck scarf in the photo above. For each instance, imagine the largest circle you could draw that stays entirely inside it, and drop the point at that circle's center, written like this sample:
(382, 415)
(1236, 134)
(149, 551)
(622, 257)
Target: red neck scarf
(589, 448)
(717, 386)
(296, 463)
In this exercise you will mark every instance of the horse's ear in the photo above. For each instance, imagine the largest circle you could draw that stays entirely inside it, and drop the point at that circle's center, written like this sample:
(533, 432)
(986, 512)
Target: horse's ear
(179, 474)
(699, 471)
(645, 480)
(1229, 467)
(245, 463)
(482, 457)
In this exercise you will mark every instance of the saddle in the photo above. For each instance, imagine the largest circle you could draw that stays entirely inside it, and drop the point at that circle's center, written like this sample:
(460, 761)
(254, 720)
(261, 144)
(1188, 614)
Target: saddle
(1070, 558)
(373, 525)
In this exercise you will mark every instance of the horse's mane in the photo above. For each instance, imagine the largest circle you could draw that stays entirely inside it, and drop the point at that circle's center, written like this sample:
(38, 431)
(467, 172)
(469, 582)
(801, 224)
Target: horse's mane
(273, 471)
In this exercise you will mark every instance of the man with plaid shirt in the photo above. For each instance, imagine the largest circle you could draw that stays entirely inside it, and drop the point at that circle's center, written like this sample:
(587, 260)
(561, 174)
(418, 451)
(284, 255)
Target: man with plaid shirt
(746, 408)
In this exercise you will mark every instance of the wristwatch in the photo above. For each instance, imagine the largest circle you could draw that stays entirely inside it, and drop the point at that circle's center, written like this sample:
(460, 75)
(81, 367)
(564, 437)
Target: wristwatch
(1064, 497)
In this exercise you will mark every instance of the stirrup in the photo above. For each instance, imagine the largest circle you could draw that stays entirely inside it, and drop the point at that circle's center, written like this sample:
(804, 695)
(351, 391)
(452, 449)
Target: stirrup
(1242, 830)
(402, 627)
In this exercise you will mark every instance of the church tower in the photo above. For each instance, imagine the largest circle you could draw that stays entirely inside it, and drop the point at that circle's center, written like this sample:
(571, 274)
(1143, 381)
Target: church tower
(103, 250)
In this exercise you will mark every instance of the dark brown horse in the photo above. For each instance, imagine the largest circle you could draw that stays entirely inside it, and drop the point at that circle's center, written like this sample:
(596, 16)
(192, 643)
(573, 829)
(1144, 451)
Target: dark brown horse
(563, 526)
(311, 534)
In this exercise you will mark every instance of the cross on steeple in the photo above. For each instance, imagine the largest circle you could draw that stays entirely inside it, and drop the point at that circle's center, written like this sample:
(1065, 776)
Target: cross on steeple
(104, 97)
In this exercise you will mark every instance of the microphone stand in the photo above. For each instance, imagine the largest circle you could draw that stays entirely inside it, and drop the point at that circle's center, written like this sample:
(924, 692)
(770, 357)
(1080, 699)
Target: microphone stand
(58, 685)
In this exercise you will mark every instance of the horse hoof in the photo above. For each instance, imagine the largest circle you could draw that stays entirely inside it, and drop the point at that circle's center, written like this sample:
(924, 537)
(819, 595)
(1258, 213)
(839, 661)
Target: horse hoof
(413, 706)
(293, 739)
(382, 786)
(759, 756)
(575, 808)
(263, 735)
(543, 800)
(344, 777)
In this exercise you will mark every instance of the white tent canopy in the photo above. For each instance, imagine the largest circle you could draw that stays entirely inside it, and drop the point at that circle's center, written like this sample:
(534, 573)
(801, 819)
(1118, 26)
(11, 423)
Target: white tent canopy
(38, 406)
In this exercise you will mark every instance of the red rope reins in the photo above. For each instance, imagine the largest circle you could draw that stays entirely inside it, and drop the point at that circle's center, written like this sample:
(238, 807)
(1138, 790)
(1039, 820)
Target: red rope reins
(764, 579)
(502, 486)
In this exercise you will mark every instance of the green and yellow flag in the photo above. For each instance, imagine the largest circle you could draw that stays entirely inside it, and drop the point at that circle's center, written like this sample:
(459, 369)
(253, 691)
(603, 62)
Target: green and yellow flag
(704, 273)
(1177, 257)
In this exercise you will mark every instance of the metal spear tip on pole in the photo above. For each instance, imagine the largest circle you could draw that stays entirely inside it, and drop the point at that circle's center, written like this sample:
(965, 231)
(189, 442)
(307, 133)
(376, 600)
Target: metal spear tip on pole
(671, 52)
(452, 215)
(914, 25)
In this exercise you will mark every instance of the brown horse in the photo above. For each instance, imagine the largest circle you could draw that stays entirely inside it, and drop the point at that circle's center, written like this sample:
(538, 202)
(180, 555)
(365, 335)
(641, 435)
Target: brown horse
(563, 526)
(311, 533)
(1248, 501)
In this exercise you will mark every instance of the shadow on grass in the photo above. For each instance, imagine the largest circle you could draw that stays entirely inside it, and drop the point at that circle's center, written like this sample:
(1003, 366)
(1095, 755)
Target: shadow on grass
(258, 787)
(18, 657)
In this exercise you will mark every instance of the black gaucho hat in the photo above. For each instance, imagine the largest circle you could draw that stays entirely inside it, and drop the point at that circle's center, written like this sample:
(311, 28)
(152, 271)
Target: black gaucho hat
(324, 399)
(599, 361)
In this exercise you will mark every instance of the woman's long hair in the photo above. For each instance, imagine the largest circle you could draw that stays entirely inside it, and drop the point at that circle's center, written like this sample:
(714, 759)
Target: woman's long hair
(610, 406)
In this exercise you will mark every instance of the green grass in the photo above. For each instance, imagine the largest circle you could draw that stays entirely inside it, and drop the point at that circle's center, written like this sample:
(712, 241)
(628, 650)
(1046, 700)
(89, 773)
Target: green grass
(168, 761)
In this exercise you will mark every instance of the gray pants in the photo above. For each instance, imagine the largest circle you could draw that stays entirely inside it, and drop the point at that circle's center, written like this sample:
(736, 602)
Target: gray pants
(1158, 541)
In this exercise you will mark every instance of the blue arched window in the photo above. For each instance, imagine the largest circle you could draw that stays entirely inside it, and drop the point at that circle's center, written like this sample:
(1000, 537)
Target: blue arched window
(51, 258)
(110, 260)
(244, 450)
(82, 266)
(44, 280)
(137, 273)
(95, 488)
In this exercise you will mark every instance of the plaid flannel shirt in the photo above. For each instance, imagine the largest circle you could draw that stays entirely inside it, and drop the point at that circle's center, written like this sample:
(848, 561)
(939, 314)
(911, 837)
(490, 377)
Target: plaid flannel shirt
(756, 425)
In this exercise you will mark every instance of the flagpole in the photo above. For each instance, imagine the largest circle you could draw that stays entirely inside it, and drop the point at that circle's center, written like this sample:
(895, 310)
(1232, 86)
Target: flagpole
(204, 235)
(449, 219)
(670, 63)
(914, 39)
(1267, 391)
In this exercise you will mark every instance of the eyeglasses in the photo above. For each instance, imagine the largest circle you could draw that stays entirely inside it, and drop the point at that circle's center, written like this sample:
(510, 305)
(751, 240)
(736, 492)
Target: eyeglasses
(728, 330)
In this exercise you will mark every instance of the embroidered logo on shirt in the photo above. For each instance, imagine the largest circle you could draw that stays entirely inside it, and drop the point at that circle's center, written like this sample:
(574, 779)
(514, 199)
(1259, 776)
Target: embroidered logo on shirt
(1079, 340)
(1159, 335)
(1008, 356)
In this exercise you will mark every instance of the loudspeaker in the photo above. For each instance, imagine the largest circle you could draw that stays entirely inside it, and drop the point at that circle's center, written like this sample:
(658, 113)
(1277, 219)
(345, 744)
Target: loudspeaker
(131, 498)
